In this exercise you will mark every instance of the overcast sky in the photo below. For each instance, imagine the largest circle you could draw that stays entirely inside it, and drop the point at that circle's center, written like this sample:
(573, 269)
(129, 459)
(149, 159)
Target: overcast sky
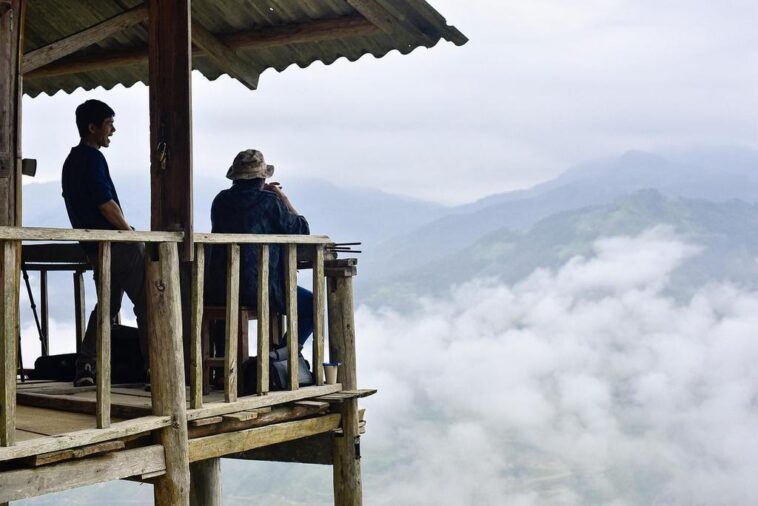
(541, 85)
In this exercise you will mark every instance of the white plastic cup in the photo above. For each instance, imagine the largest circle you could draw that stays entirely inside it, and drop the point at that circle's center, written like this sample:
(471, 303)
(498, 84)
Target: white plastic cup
(330, 372)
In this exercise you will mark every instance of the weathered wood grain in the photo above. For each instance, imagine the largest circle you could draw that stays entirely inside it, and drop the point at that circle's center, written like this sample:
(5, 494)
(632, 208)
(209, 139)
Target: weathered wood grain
(196, 350)
(319, 303)
(103, 414)
(232, 322)
(8, 342)
(263, 310)
(293, 347)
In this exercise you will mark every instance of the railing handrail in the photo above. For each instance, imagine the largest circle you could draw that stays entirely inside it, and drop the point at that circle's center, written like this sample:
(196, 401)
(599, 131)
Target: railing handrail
(216, 238)
(69, 234)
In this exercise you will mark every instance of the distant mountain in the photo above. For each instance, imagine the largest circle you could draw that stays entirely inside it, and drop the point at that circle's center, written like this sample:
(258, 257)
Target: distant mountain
(726, 230)
(715, 174)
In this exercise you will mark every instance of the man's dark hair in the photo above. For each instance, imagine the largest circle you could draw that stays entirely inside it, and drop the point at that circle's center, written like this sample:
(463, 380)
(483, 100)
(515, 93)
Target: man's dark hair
(92, 111)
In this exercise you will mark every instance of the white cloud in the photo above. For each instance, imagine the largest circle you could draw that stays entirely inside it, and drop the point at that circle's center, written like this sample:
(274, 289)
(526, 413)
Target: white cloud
(585, 385)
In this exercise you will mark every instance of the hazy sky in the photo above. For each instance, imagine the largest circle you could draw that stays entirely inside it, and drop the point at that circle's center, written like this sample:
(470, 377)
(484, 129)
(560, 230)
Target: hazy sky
(541, 85)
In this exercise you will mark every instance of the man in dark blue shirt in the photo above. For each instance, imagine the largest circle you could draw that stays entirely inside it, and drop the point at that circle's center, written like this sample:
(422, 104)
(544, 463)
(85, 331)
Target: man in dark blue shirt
(92, 203)
(253, 207)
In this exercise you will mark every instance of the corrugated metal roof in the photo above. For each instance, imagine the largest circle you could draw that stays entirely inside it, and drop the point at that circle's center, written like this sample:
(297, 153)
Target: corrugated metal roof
(414, 23)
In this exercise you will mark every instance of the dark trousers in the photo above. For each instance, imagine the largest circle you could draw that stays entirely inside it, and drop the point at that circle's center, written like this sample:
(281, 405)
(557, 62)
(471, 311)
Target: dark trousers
(127, 276)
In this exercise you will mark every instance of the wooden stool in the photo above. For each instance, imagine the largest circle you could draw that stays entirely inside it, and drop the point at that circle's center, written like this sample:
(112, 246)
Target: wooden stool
(218, 313)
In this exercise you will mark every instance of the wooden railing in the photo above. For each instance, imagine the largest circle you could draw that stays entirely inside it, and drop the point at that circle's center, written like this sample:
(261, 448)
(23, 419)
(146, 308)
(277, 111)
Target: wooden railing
(290, 245)
(168, 271)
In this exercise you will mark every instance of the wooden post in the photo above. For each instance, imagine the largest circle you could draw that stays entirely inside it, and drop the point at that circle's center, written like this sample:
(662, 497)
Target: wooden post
(263, 310)
(80, 316)
(8, 341)
(293, 347)
(319, 300)
(232, 322)
(347, 465)
(104, 336)
(205, 485)
(196, 348)
(44, 312)
(11, 42)
(170, 67)
(167, 372)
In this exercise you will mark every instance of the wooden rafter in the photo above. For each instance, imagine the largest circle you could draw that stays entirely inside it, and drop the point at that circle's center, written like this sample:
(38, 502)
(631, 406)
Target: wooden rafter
(375, 13)
(92, 35)
(224, 56)
(313, 31)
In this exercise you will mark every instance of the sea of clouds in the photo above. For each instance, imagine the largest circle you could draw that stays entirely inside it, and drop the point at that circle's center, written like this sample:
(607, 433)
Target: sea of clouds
(584, 385)
(588, 384)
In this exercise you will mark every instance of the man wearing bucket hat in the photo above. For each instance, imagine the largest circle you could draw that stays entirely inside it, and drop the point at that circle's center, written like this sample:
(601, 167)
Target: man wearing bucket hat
(254, 207)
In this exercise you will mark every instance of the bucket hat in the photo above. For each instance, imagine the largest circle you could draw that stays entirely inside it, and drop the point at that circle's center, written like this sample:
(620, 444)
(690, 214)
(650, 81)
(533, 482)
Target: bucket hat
(249, 164)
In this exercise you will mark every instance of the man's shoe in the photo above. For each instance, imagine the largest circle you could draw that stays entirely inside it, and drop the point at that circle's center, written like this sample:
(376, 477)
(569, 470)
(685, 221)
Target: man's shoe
(85, 375)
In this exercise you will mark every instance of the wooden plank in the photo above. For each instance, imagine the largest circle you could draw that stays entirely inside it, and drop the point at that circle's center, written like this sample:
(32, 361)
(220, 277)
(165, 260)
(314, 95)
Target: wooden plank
(263, 310)
(74, 453)
(84, 437)
(167, 371)
(232, 423)
(290, 282)
(375, 13)
(309, 450)
(80, 405)
(313, 404)
(25, 483)
(8, 342)
(312, 31)
(232, 322)
(347, 394)
(235, 442)
(224, 56)
(211, 420)
(169, 70)
(80, 315)
(206, 238)
(68, 234)
(242, 416)
(104, 336)
(259, 401)
(80, 40)
(196, 322)
(319, 303)
(51, 422)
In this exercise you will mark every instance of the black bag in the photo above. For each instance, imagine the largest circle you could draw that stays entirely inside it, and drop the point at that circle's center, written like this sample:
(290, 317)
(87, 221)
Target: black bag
(277, 373)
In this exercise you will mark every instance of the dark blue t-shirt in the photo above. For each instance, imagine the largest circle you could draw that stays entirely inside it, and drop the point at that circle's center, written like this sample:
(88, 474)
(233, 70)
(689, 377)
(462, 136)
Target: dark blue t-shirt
(87, 184)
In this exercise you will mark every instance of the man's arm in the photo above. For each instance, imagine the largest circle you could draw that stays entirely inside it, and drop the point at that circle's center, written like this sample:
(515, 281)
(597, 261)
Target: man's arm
(275, 188)
(112, 212)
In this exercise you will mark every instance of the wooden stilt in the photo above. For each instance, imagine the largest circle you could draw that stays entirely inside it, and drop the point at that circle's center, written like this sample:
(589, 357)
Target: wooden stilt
(205, 484)
(346, 446)
(167, 372)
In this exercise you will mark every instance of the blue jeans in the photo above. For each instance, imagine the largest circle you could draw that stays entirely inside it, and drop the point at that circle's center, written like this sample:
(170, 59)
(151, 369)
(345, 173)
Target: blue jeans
(304, 322)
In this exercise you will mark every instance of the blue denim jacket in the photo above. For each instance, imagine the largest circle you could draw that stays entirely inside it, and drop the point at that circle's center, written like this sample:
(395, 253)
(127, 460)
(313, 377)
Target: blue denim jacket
(245, 208)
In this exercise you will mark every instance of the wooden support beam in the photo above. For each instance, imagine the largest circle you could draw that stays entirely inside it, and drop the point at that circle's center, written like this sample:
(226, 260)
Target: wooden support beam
(263, 311)
(103, 414)
(235, 442)
(232, 322)
(375, 13)
(80, 315)
(293, 347)
(196, 323)
(170, 67)
(346, 472)
(224, 56)
(205, 483)
(167, 371)
(279, 414)
(80, 40)
(310, 450)
(319, 302)
(25, 483)
(8, 341)
(11, 42)
(73, 453)
(313, 31)
(85, 437)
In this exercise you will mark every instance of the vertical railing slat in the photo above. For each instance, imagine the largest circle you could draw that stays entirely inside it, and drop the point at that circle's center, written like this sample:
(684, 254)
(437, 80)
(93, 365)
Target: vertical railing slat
(232, 323)
(196, 351)
(44, 313)
(263, 320)
(8, 366)
(103, 413)
(80, 316)
(319, 298)
(291, 288)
